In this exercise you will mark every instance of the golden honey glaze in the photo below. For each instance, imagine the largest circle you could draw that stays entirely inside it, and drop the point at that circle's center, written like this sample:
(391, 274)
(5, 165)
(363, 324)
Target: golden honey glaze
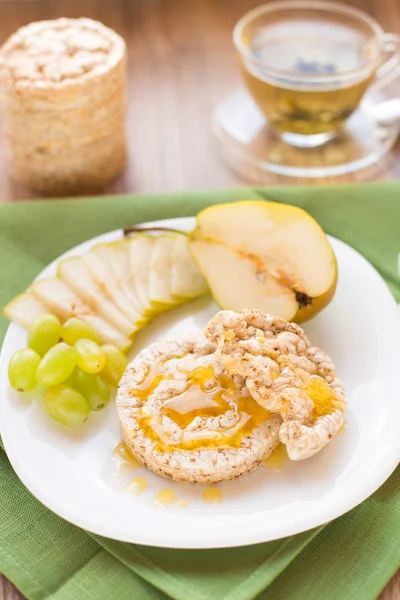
(152, 378)
(324, 398)
(147, 388)
(203, 400)
(196, 401)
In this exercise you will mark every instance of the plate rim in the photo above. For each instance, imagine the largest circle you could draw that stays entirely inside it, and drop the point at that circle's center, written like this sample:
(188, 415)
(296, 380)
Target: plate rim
(325, 515)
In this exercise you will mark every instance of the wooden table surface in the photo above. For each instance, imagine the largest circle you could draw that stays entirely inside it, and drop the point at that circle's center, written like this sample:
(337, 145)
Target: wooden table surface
(181, 64)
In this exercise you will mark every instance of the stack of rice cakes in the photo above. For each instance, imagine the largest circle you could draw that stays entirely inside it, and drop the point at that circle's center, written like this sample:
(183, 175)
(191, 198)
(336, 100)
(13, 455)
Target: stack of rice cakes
(63, 85)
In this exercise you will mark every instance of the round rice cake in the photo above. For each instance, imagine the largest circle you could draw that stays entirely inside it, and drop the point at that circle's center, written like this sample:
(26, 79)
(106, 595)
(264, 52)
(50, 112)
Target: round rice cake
(63, 94)
(284, 373)
(183, 417)
(68, 62)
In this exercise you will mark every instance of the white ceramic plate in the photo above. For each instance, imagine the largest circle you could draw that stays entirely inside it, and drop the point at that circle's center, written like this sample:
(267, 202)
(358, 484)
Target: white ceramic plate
(73, 472)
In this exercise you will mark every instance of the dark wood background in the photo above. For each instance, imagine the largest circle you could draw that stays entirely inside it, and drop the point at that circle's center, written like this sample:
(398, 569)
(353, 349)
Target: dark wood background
(181, 63)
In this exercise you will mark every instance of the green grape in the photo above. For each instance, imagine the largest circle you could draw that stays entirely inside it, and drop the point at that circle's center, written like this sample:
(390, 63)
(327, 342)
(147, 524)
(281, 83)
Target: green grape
(44, 333)
(22, 370)
(66, 405)
(116, 363)
(74, 330)
(92, 387)
(57, 365)
(90, 358)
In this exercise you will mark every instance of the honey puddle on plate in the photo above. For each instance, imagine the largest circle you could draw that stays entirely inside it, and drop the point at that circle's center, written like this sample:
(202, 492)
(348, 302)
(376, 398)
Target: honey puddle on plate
(212, 495)
(124, 461)
(137, 485)
(277, 459)
(182, 503)
(164, 498)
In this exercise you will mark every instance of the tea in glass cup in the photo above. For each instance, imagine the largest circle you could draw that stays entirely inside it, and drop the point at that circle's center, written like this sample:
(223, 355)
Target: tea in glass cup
(308, 64)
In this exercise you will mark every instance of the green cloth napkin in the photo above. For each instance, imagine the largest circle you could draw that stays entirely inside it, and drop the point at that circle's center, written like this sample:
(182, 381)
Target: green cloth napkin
(349, 559)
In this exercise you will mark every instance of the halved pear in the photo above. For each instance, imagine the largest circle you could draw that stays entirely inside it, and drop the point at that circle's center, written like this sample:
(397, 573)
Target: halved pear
(254, 246)
(24, 309)
(75, 273)
(237, 282)
(186, 279)
(160, 291)
(61, 301)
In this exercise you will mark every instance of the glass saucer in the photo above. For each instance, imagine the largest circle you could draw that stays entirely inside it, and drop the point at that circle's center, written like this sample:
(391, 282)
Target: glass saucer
(254, 150)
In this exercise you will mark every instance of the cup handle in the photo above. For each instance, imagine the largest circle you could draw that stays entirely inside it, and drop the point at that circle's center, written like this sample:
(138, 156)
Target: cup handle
(390, 68)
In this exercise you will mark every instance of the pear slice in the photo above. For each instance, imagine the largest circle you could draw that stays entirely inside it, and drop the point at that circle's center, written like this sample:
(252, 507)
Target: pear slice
(121, 251)
(116, 259)
(64, 303)
(59, 298)
(160, 272)
(280, 244)
(140, 248)
(107, 333)
(186, 279)
(104, 276)
(75, 273)
(24, 309)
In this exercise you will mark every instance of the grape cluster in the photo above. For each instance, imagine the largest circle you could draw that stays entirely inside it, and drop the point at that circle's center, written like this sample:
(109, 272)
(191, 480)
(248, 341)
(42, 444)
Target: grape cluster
(69, 362)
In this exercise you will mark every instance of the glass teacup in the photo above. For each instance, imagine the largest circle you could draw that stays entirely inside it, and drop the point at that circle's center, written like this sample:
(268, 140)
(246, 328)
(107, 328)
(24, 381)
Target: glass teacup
(308, 64)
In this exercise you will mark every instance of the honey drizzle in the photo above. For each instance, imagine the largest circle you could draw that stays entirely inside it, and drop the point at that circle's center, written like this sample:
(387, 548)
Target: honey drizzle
(324, 399)
(142, 393)
(195, 402)
(152, 377)
(199, 399)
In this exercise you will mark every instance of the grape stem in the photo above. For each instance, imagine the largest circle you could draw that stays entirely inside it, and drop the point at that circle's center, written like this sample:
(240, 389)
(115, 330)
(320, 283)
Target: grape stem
(138, 229)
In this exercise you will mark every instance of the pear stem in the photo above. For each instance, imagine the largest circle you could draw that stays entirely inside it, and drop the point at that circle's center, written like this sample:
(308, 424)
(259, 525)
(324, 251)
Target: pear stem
(138, 229)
